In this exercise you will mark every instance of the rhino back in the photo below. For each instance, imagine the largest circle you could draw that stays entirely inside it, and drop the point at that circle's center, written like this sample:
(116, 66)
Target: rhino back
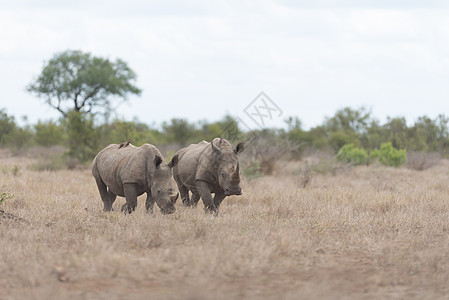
(125, 165)
(195, 163)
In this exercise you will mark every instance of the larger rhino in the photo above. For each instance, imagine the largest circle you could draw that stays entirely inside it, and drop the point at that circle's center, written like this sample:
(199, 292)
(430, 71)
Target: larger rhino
(206, 168)
(128, 171)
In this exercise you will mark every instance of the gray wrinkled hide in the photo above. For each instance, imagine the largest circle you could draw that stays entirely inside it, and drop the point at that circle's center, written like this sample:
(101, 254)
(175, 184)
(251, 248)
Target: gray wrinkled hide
(131, 171)
(206, 168)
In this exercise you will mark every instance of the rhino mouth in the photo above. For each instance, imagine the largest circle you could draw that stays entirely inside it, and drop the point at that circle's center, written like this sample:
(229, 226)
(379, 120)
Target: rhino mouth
(230, 192)
(168, 211)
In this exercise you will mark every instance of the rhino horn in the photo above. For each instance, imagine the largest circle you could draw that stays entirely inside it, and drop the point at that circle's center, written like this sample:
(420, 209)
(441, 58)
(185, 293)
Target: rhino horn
(237, 171)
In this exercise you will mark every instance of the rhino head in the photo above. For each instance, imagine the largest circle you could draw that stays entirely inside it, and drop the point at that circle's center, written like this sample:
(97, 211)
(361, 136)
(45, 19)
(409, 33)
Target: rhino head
(161, 188)
(228, 167)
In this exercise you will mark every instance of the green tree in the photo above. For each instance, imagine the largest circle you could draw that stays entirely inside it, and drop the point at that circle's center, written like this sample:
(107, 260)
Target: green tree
(375, 135)
(7, 127)
(228, 129)
(209, 131)
(317, 138)
(138, 133)
(21, 137)
(48, 133)
(82, 136)
(349, 120)
(339, 138)
(398, 132)
(179, 131)
(77, 81)
(347, 126)
(293, 123)
(296, 134)
(429, 135)
(122, 131)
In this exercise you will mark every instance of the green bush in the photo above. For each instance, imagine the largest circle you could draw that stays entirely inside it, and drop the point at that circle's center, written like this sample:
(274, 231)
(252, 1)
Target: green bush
(389, 156)
(253, 171)
(7, 127)
(5, 196)
(83, 138)
(339, 139)
(350, 154)
(11, 135)
(48, 133)
(122, 131)
(21, 138)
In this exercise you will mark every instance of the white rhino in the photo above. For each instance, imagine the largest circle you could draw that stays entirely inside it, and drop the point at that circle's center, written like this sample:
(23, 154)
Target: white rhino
(206, 168)
(128, 171)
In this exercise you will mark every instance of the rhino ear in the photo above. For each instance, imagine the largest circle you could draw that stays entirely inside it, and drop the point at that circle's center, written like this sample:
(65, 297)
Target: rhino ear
(157, 160)
(239, 148)
(216, 149)
(173, 161)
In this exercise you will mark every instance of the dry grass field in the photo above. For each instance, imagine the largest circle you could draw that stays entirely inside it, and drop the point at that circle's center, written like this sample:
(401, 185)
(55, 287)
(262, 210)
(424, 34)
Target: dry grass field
(363, 233)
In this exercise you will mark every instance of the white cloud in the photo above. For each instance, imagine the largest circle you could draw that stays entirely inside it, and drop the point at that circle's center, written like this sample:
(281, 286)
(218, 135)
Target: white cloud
(202, 59)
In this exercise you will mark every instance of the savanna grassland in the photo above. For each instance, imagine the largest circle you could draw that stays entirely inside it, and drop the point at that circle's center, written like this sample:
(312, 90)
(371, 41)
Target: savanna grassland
(364, 233)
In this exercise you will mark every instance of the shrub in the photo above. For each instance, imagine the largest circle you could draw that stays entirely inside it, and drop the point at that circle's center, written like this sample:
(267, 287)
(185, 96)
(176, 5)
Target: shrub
(82, 136)
(340, 138)
(122, 131)
(305, 176)
(5, 196)
(389, 156)
(422, 160)
(20, 139)
(7, 127)
(253, 171)
(267, 148)
(48, 134)
(352, 155)
(325, 163)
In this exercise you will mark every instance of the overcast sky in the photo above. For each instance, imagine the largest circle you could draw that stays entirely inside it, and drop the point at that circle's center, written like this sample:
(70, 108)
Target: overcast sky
(203, 59)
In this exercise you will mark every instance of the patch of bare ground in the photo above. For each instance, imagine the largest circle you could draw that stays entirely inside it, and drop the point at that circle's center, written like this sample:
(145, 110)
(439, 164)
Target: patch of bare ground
(365, 233)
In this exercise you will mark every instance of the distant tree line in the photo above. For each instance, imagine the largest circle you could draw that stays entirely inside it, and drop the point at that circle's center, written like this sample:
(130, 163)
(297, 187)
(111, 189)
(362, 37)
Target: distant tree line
(84, 138)
(84, 88)
(358, 127)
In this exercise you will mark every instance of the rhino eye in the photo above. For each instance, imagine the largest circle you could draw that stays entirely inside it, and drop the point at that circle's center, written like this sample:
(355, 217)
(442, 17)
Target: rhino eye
(222, 174)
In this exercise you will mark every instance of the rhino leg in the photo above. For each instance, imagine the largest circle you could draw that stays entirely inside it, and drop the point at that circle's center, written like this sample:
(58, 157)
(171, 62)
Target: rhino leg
(218, 198)
(130, 190)
(112, 198)
(149, 203)
(204, 192)
(107, 196)
(195, 199)
(184, 195)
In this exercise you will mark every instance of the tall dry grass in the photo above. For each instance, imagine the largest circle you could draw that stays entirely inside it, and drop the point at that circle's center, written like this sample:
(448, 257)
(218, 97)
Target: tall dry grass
(365, 233)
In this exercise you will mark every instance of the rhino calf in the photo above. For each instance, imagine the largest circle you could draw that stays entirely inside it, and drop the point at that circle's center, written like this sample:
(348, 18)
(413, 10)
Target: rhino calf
(206, 168)
(131, 171)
